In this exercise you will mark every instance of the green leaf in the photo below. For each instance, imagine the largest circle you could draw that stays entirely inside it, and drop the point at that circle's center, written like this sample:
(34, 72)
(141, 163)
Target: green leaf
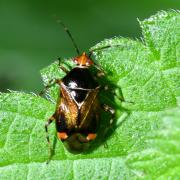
(145, 142)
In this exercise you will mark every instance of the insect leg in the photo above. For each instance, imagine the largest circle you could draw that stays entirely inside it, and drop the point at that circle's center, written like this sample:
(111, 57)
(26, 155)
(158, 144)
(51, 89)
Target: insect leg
(104, 47)
(62, 67)
(118, 95)
(49, 85)
(46, 129)
(121, 97)
(50, 120)
(109, 109)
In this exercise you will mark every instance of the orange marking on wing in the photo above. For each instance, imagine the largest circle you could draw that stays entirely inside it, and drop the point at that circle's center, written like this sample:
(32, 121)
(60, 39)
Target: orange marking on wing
(62, 135)
(91, 136)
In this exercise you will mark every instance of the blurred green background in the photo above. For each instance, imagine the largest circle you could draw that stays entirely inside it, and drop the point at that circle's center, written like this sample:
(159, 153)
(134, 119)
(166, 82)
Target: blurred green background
(30, 38)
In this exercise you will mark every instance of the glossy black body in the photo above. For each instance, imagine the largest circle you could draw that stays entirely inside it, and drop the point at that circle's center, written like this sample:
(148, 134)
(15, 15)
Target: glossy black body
(79, 95)
(79, 82)
(81, 77)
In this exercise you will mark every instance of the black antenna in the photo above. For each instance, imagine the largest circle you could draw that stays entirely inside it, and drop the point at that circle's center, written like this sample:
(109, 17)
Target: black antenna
(69, 34)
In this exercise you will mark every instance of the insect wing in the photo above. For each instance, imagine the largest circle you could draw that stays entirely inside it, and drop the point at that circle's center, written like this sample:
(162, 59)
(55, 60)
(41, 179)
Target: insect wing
(89, 108)
(68, 107)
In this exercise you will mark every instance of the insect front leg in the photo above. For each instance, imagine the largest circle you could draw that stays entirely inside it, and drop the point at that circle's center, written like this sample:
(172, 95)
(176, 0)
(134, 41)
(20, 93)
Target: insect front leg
(52, 82)
(49, 85)
(103, 48)
(62, 67)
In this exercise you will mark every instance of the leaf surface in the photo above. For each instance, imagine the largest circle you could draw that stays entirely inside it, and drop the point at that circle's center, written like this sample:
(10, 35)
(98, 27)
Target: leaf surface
(144, 144)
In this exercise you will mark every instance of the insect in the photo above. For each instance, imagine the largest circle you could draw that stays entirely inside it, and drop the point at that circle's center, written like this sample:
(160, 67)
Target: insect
(77, 110)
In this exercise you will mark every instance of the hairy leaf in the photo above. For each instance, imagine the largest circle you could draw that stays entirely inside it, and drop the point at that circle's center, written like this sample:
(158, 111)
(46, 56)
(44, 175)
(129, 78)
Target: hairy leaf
(145, 140)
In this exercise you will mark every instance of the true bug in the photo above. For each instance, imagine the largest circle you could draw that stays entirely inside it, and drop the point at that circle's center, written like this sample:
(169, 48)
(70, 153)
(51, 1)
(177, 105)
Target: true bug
(77, 110)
